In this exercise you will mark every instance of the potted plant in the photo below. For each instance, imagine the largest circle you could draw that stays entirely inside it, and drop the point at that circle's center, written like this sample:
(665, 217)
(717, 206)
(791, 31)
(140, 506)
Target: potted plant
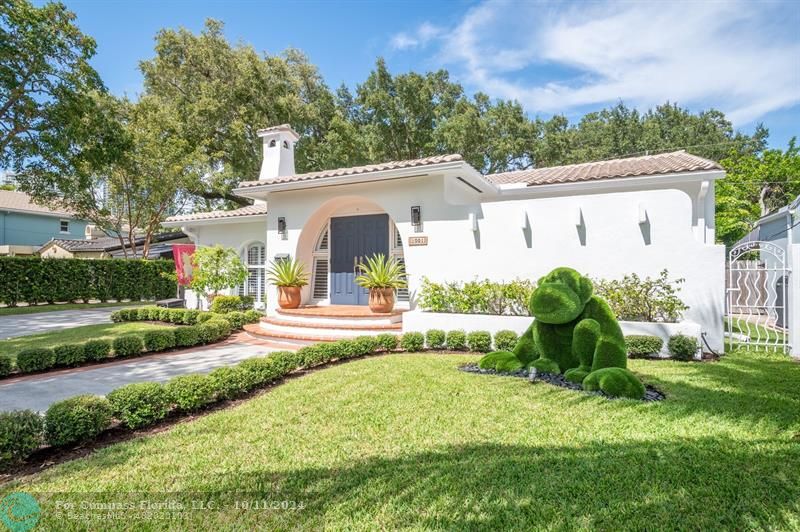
(289, 275)
(382, 277)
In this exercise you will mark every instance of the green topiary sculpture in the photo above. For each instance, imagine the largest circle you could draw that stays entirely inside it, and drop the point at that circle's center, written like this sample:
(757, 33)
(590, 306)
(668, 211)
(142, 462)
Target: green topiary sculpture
(574, 333)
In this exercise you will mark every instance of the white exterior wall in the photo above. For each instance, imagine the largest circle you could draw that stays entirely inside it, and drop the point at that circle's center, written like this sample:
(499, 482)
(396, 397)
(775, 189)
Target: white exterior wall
(610, 242)
(236, 235)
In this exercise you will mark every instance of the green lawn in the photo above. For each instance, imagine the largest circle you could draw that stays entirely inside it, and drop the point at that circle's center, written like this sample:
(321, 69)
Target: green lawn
(756, 331)
(13, 311)
(108, 331)
(407, 441)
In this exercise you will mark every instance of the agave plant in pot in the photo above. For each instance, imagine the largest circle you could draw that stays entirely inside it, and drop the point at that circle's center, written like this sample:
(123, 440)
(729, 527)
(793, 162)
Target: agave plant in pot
(289, 275)
(381, 276)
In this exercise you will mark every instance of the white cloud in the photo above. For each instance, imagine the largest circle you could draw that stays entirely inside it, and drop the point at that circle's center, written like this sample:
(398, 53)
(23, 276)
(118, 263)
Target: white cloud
(423, 35)
(736, 56)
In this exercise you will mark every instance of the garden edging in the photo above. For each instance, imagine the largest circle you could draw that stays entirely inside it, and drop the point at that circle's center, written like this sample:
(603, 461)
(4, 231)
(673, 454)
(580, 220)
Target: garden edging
(421, 321)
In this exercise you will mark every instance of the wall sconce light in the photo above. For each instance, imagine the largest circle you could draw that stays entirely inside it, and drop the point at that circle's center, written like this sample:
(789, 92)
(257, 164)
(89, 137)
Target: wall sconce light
(416, 216)
(282, 225)
(642, 214)
(473, 222)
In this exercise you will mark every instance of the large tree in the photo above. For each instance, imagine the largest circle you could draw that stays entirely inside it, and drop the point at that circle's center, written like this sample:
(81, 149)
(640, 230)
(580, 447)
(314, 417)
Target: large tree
(46, 87)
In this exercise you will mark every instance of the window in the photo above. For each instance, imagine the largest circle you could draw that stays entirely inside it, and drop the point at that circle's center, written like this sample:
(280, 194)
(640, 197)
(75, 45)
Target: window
(319, 282)
(255, 257)
(64, 226)
(396, 252)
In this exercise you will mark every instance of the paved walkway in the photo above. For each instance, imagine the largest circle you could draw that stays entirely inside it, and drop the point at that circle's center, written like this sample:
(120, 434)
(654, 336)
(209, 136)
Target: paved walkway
(37, 392)
(40, 322)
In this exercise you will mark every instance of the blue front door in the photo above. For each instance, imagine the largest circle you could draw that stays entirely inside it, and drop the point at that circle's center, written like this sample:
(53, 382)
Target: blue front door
(353, 238)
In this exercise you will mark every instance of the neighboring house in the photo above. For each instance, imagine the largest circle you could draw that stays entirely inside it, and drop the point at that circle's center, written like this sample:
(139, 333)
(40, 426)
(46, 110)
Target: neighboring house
(781, 227)
(448, 222)
(25, 226)
(107, 247)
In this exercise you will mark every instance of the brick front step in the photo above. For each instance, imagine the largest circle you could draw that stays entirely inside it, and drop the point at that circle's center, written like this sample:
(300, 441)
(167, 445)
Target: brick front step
(351, 326)
(339, 316)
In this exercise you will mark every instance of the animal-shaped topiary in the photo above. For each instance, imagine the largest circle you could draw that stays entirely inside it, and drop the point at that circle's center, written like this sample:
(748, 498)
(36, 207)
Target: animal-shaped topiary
(574, 333)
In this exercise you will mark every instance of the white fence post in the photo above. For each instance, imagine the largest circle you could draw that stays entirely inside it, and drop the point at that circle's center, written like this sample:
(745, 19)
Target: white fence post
(794, 299)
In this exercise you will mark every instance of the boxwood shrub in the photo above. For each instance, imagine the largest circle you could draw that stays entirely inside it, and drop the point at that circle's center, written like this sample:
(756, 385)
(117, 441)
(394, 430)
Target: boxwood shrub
(261, 370)
(435, 338)
(643, 345)
(159, 340)
(69, 354)
(456, 340)
(35, 359)
(140, 404)
(412, 341)
(164, 314)
(143, 313)
(76, 419)
(505, 340)
(366, 344)
(682, 347)
(97, 349)
(387, 341)
(187, 336)
(479, 341)
(128, 345)
(213, 330)
(253, 316)
(21, 433)
(6, 365)
(190, 392)
(190, 316)
(229, 382)
(236, 319)
(225, 304)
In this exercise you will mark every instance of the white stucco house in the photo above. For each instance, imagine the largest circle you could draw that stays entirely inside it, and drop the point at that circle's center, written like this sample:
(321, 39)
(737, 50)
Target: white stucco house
(449, 222)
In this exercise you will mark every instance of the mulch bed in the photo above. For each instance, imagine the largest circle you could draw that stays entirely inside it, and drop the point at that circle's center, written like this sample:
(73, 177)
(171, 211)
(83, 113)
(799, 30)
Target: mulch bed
(556, 379)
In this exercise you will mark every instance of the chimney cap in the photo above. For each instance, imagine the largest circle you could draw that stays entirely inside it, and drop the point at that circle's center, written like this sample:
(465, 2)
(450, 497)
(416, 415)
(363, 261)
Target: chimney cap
(283, 128)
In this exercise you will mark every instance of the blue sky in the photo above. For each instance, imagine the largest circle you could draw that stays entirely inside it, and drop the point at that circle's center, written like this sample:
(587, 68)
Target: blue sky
(739, 56)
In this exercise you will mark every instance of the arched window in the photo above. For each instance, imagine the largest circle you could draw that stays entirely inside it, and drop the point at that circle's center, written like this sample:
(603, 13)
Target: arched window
(272, 143)
(286, 144)
(255, 257)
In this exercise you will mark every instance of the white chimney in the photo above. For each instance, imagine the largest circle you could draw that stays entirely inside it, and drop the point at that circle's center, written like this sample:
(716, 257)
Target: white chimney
(279, 144)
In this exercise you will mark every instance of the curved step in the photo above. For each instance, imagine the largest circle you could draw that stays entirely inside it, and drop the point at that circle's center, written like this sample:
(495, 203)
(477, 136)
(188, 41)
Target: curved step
(355, 327)
(289, 340)
(339, 315)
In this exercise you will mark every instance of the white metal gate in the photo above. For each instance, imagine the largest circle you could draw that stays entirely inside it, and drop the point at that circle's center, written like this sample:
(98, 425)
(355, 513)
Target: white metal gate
(757, 300)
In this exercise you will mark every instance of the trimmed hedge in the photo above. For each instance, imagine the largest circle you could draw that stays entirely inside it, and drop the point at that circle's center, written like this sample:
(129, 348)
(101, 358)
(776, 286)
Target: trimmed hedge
(682, 347)
(69, 354)
(505, 340)
(435, 338)
(35, 280)
(479, 341)
(387, 341)
(190, 392)
(141, 404)
(187, 336)
(456, 340)
(253, 316)
(225, 304)
(643, 345)
(229, 382)
(5, 365)
(97, 349)
(35, 359)
(20, 435)
(412, 341)
(159, 340)
(76, 419)
(128, 345)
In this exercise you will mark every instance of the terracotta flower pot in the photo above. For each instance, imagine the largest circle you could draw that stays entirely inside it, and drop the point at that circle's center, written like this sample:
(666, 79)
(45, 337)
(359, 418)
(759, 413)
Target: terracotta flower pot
(288, 296)
(381, 299)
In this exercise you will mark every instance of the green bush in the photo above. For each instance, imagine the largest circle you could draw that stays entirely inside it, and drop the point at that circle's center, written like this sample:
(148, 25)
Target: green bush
(205, 316)
(642, 345)
(177, 315)
(682, 347)
(434, 338)
(6, 365)
(97, 349)
(616, 382)
(476, 297)
(225, 304)
(635, 299)
(140, 404)
(164, 314)
(187, 336)
(504, 361)
(315, 355)
(35, 359)
(21, 433)
(229, 382)
(236, 319)
(262, 370)
(128, 345)
(479, 341)
(69, 354)
(143, 313)
(118, 316)
(190, 392)
(154, 313)
(77, 419)
(159, 340)
(387, 341)
(505, 340)
(253, 316)
(214, 330)
(366, 345)
(287, 361)
(36, 280)
(190, 316)
(456, 340)
(412, 342)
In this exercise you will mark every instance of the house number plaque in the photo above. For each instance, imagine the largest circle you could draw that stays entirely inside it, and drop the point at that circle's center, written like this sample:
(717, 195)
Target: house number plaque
(418, 241)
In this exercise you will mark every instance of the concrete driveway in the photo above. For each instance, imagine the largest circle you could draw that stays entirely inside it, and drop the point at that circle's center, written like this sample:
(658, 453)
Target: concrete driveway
(25, 324)
(37, 392)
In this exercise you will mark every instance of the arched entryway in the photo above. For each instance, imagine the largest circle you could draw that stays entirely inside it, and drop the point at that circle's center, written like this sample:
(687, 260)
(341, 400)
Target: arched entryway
(342, 233)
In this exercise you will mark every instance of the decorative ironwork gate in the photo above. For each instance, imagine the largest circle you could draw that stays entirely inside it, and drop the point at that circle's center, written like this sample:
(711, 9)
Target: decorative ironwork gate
(757, 300)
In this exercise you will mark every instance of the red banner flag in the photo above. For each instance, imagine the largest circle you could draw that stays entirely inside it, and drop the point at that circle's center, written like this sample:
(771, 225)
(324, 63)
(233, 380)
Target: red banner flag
(182, 254)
